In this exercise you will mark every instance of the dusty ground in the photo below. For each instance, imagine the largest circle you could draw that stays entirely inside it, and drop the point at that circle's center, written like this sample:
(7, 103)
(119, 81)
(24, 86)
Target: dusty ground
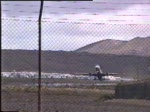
(24, 99)
(69, 100)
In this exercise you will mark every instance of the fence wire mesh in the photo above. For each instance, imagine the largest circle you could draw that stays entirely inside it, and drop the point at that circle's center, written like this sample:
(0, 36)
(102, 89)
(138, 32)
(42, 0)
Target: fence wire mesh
(19, 66)
(74, 40)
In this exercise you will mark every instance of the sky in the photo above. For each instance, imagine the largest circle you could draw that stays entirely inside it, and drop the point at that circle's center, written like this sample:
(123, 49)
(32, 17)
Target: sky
(70, 25)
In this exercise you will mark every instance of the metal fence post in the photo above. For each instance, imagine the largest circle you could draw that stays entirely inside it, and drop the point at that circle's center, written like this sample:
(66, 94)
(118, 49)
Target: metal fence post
(39, 78)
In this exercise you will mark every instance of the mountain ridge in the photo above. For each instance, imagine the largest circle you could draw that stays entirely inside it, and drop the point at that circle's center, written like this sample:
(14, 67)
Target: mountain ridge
(137, 46)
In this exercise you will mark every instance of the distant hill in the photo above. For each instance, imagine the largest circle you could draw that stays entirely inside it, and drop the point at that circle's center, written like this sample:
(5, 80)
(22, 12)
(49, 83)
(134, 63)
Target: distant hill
(137, 46)
(72, 62)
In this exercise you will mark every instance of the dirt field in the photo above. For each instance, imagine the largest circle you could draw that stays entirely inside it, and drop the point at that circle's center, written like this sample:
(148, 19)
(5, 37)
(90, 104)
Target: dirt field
(69, 100)
(65, 99)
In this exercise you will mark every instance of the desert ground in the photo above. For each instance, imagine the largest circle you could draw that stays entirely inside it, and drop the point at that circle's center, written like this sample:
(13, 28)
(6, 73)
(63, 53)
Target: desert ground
(17, 97)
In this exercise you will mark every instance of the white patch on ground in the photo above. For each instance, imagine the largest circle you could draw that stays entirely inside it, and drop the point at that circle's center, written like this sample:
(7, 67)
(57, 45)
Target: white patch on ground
(60, 75)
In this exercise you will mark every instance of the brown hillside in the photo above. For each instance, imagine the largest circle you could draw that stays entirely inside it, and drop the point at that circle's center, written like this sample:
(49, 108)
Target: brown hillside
(137, 46)
(72, 62)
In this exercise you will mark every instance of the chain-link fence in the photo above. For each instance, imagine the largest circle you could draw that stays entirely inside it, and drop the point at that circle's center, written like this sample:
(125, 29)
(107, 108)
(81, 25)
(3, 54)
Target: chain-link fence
(19, 66)
(75, 38)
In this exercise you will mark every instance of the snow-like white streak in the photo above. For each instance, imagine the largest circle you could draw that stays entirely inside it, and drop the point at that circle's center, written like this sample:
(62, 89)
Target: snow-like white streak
(113, 78)
(60, 76)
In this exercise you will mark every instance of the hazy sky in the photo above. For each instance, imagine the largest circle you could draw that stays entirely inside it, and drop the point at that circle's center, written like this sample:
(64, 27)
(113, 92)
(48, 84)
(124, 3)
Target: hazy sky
(71, 25)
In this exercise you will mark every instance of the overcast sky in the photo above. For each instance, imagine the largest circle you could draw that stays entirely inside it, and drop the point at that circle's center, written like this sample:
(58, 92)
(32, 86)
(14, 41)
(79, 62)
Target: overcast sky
(71, 25)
